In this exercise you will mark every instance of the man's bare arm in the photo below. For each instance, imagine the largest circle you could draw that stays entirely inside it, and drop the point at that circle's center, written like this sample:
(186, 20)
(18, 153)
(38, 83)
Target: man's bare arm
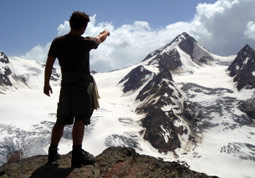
(102, 36)
(47, 74)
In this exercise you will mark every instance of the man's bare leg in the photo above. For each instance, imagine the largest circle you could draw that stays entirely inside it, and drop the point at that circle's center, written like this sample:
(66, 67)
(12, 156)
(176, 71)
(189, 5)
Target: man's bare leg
(57, 133)
(78, 132)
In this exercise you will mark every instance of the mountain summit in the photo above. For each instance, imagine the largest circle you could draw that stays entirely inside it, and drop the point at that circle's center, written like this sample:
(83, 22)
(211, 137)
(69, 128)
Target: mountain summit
(181, 55)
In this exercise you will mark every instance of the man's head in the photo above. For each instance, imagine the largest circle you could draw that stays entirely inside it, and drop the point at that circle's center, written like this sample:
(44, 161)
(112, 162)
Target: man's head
(78, 20)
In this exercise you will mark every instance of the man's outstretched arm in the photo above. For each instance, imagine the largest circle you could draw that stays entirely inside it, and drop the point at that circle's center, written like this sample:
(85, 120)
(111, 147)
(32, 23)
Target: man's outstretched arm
(47, 74)
(102, 36)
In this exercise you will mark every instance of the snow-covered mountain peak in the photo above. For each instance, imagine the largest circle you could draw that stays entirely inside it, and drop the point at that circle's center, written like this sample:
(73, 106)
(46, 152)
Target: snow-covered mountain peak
(183, 54)
(174, 43)
(183, 37)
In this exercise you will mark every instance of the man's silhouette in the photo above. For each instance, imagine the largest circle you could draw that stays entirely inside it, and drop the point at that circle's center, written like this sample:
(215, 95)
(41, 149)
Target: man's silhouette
(76, 98)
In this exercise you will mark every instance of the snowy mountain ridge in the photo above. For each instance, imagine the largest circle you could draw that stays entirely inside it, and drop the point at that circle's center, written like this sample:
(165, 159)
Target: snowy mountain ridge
(178, 104)
(18, 73)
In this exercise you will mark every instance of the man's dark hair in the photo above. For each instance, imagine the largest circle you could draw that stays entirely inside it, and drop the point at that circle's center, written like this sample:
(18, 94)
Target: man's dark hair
(78, 20)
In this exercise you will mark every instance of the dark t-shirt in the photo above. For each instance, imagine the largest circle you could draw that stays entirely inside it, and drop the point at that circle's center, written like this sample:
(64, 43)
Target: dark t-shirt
(72, 52)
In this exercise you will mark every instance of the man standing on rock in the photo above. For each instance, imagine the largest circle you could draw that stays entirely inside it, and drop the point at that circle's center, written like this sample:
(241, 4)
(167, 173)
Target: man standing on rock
(76, 103)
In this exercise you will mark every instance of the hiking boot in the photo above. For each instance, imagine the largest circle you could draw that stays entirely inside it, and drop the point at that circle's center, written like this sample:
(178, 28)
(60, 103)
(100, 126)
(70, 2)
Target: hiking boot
(53, 155)
(81, 157)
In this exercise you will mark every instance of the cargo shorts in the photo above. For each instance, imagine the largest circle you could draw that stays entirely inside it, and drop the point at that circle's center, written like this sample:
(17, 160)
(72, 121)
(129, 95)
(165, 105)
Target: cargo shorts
(75, 102)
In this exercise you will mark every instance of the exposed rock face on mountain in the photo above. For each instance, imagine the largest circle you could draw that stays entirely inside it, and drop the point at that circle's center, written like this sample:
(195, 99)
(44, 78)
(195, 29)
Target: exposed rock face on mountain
(160, 101)
(243, 68)
(5, 71)
(136, 78)
(198, 54)
(113, 162)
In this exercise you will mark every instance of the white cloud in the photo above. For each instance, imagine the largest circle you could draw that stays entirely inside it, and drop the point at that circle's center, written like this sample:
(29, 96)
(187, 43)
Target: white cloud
(130, 43)
(223, 27)
(38, 53)
(225, 22)
(250, 30)
(63, 28)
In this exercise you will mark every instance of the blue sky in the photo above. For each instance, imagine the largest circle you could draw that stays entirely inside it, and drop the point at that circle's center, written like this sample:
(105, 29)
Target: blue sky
(27, 23)
(137, 26)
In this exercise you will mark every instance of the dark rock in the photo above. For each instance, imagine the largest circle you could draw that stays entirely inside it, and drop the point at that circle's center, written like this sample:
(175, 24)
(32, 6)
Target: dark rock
(189, 45)
(243, 68)
(113, 162)
(154, 84)
(248, 106)
(159, 126)
(4, 76)
(160, 130)
(3, 58)
(5, 71)
(168, 60)
(135, 79)
(14, 156)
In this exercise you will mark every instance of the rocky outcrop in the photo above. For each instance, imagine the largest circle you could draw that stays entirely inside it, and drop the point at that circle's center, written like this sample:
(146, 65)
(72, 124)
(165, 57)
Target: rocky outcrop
(243, 68)
(169, 59)
(5, 71)
(113, 162)
(161, 103)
